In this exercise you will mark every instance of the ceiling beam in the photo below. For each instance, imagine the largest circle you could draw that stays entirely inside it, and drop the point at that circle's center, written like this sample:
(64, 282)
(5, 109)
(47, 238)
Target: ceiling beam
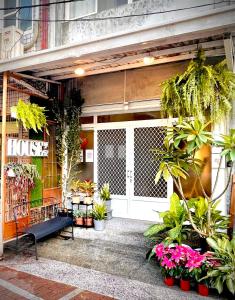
(218, 52)
(20, 75)
(132, 58)
(230, 53)
(29, 87)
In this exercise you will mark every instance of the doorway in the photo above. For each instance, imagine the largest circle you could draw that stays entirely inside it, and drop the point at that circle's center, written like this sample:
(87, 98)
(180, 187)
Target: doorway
(124, 158)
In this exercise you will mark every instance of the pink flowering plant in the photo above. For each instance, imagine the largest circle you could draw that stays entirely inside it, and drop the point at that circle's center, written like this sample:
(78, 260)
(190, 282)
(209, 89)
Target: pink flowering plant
(179, 260)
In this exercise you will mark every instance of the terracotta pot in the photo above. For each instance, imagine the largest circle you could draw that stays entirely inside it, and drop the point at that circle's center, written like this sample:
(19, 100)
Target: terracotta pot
(88, 221)
(169, 281)
(79, 221)
(203, 289)
(185, 284)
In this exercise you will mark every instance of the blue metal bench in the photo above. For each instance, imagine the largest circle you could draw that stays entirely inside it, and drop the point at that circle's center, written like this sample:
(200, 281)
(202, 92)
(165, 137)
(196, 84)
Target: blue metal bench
(57, 223)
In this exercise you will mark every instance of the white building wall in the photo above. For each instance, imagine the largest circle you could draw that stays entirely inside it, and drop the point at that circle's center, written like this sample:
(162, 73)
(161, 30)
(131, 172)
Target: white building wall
(76, 31)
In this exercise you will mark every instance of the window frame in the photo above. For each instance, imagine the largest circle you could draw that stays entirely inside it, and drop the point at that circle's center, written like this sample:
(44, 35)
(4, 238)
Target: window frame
(16, 13)
(67, 11)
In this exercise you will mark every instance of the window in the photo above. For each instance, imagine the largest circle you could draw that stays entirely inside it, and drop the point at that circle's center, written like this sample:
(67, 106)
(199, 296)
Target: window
(80, 9)
(12, 15)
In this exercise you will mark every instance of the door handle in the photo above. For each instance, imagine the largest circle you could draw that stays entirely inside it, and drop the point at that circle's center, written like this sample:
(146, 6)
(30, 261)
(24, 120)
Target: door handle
(130, 176)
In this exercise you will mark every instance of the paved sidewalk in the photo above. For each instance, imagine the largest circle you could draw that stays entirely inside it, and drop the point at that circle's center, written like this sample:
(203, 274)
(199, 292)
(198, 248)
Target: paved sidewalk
(16, 285)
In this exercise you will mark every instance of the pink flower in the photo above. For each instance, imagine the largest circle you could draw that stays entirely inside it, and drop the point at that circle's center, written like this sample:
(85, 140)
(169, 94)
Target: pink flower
(176, 255)
(160, 251)
(169, 264)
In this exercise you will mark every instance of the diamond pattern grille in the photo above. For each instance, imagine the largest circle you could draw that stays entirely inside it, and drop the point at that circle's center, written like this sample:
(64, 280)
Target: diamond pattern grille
(112, 160)
(145, 164)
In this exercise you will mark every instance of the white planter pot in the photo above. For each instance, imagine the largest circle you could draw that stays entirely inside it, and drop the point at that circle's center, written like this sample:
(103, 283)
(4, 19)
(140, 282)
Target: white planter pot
(87, 200)
(76, 199)
(11, 173)
(99, 225)
(108, 205)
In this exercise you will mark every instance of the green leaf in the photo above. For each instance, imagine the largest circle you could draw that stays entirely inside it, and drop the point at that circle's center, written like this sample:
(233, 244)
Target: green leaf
(174, 232)
(158, 176)
(166, 174)
(201, 207)
(212, 243)
(175, 206)
(232, 154)
(191, 137)
(219, 284)
(230, 282)
(155, 229)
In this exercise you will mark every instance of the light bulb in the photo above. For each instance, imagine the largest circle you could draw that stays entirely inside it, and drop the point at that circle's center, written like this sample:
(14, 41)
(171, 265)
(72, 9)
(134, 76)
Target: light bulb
(79, 71)
(148, 60)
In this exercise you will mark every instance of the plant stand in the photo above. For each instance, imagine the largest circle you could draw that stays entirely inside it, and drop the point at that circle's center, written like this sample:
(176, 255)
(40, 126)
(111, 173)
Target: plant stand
(85, 224)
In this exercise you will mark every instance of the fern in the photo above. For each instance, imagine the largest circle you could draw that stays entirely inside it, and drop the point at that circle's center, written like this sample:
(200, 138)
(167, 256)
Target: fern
(202, 91)
(30, 115)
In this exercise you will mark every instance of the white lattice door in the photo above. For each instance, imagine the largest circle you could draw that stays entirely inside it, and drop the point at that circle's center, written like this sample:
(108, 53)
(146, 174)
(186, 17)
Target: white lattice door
(123, 157)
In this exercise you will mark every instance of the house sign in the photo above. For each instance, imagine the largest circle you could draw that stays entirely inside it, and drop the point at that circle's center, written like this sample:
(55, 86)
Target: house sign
(21, 147)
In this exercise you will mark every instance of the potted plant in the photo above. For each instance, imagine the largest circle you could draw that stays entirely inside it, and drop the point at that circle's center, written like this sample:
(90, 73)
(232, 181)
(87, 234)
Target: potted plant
(30, 115)
(223, 264)
(199, 273)
(88, 187)
(178, 261)
(176, 163)
(105, 195)
(185, 280)
(75, 188)
(202, 91)
(88, 218)
(99, 212)
(173, 227)
(78, 214)
(167, 265)
(21, 177)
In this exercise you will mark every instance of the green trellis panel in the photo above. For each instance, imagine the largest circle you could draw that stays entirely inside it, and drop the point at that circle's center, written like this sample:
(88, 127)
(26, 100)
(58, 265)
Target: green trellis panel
(36, 193)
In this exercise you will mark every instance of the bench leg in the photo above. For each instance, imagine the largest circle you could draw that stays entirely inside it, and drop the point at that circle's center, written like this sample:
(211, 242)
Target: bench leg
(72, 232)
(17, 244)
(36, 250)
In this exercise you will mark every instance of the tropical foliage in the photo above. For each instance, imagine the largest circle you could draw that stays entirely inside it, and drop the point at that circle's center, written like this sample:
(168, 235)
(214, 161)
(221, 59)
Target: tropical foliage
(105, 192)
(223, 273)
(203, 91)
(99, 211)
(178, 157)
(87, 187)
(199, 209)
(30, 115)
(173, 223)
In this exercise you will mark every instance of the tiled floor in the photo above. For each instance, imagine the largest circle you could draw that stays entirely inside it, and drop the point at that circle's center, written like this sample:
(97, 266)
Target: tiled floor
(16, 285)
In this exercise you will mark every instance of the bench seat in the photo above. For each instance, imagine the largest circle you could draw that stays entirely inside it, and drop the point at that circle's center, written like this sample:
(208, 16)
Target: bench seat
(48, 227)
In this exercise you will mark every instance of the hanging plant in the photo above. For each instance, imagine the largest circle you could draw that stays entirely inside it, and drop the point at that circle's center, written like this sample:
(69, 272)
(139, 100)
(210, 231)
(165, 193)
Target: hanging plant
(31, 115)
(203, 91)
(20, 177)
